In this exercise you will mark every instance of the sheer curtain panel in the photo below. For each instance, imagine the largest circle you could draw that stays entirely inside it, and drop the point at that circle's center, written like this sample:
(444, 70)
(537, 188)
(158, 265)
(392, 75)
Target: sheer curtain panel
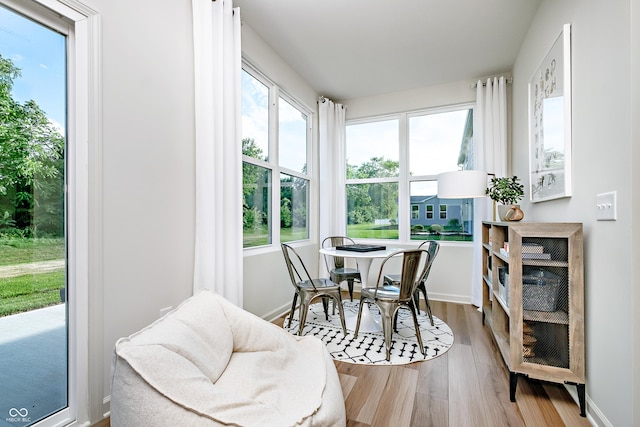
(332, 172)
(490, 154)
(218, 228)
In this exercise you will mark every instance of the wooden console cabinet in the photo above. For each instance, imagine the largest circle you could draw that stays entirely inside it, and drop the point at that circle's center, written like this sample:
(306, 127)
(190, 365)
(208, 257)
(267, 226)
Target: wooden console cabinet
(533, 300)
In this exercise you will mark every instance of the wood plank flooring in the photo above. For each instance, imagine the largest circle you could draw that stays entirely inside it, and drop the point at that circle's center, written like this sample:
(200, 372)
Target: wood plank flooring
(467, 386)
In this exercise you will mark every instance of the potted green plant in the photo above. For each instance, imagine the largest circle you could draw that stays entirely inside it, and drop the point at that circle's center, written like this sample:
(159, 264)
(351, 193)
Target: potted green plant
(507, 191)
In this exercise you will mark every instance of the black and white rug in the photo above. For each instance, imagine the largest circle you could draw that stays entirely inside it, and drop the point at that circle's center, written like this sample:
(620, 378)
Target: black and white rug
(369, 348)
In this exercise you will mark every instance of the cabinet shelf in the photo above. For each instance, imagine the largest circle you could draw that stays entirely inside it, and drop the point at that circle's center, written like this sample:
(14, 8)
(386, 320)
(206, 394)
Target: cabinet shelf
(502, 302)
(487, 280)
(558, 317)
(546, 343)
(501, 256)
(544, 263)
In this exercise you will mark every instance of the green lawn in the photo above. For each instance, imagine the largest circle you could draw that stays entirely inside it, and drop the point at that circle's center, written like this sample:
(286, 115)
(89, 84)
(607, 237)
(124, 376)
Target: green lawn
(29, 292)
(372, 231)
(260, 236)
(19, 250)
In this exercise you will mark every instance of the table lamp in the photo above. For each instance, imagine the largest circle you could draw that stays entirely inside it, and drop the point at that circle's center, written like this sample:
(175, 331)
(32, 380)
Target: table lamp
(464, 184)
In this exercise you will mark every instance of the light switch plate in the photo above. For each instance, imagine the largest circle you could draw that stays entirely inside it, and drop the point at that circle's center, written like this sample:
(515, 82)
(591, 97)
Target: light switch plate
(606, 206)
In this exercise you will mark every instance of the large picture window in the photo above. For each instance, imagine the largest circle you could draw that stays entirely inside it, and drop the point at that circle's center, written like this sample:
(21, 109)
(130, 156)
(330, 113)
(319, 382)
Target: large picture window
(275, 143)
(392, 167)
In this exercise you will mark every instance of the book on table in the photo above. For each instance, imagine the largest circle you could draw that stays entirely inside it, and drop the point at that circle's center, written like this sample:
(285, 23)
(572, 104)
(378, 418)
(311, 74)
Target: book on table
(361, 248)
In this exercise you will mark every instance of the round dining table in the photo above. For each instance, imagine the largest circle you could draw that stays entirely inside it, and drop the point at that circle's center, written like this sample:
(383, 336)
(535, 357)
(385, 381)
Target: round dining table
(363, 260)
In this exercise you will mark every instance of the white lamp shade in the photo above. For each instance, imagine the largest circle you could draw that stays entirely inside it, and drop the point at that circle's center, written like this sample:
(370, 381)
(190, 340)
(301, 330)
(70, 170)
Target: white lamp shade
(462, 184)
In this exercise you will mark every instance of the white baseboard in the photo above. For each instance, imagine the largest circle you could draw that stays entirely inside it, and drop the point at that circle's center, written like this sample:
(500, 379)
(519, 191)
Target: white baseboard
(458, 299)
(106, 406)
(594, 414)
(274, 314)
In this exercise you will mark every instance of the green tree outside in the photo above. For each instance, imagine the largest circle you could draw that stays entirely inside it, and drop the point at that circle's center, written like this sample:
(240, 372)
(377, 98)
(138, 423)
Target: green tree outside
(31, 165)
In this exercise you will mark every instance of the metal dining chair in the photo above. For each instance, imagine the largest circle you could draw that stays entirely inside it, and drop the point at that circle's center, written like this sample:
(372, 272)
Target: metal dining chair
(308, 289)
(390, 299)
(393, 279)
(339, 273)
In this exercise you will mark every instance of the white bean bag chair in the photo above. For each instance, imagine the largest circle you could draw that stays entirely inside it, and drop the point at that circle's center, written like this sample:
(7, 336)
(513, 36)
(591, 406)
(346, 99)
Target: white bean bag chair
(210, 363)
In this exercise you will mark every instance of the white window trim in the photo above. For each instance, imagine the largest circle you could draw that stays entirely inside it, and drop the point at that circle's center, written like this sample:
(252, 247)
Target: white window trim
(84, 195)
(404, 180)
(273, 162)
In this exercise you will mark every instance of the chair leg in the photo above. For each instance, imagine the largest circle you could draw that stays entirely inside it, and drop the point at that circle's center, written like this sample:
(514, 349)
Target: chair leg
(338, 300)
(355, 333)
(293, 307)
(395, 322)
(350, 286)
(325, 305)
(417, 327)
(429, 311)
(304, 308)
(416, 299)
(423, 289)
(387, 327)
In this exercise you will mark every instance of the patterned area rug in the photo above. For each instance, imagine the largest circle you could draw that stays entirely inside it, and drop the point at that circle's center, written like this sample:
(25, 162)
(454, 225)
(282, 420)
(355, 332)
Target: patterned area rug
(369, 348)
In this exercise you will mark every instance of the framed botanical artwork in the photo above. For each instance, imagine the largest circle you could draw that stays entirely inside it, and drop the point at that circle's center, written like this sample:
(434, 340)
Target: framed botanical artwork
(550, 123)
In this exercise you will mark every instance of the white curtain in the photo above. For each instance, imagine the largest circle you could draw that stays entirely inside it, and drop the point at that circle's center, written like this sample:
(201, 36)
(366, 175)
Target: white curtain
(490, 154)
(218, 149)
(333, 209)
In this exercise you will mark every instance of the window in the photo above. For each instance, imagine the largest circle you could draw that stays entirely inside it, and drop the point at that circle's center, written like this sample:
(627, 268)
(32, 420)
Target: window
(275, 143)
(428, 212)
(49, 45)
(392, 167)
(372, 179)
(443, 211)
(415, 211)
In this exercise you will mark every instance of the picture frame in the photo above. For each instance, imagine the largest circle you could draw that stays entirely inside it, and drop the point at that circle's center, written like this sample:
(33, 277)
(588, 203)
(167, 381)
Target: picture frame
(550, 123)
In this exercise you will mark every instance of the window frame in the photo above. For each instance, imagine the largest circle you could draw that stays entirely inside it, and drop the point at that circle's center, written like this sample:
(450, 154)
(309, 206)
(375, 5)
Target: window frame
(428, 213)
(404, 178)
(415, 211)
(444, 211)
(273, 157)
(81, 25)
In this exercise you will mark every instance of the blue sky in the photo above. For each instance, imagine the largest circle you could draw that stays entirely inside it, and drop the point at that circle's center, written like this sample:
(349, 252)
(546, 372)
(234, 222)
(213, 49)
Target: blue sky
(40, 53)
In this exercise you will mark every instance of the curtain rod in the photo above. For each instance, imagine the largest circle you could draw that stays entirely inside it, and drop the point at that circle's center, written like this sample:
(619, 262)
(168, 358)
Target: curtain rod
(508, 80)
(322, 99)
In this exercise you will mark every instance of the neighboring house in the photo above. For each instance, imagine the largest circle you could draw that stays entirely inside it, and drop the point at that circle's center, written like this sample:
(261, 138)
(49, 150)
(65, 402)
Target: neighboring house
(450, 213)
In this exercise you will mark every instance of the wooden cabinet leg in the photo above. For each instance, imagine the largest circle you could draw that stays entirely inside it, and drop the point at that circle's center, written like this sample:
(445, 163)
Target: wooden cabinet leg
(513, 382)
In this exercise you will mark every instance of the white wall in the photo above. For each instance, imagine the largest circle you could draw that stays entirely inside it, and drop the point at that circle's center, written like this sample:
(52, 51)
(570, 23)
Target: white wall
(267, 287)
(148, 170)
(602, 153)
(148, 179)
(635, 179)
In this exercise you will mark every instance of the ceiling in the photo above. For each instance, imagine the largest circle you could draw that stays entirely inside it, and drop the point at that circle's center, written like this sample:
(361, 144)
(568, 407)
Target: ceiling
(355, 48)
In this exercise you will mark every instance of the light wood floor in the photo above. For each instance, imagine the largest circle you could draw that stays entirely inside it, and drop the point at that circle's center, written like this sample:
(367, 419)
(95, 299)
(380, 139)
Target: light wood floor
(467, 386)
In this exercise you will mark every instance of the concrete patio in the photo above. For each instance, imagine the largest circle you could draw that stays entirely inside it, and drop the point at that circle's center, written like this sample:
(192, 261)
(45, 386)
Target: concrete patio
(33, 375)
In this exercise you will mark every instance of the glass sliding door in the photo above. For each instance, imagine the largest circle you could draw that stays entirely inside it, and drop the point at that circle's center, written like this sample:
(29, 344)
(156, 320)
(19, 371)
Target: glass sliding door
(34, 367)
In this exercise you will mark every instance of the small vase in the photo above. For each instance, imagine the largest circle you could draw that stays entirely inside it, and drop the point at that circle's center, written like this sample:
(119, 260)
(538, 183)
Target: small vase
(513, 213)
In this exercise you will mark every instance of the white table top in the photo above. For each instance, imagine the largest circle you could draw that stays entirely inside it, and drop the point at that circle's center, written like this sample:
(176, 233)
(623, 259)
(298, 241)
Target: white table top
(354, 254)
